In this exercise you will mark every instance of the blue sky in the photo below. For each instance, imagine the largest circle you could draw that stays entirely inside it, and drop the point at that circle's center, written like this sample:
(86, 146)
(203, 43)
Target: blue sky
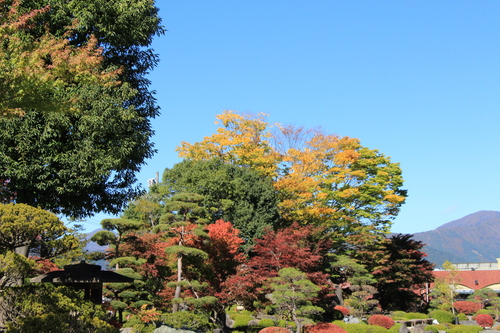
(417, 80)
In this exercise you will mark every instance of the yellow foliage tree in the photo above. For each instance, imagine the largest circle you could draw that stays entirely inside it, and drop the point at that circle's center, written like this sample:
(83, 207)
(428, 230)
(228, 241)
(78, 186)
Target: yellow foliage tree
(321, 178)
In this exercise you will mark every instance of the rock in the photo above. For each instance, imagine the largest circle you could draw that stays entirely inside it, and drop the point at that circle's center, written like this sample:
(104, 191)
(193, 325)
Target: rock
(418, 329)
(404, 329)
(167, 329)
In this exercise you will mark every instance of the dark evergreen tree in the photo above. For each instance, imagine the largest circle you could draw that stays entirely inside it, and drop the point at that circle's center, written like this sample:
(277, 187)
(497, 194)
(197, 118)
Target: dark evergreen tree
(399, 271)
(231, 193)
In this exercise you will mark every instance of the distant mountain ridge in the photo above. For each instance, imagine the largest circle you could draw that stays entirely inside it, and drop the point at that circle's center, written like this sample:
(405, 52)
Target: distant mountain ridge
(473, 238)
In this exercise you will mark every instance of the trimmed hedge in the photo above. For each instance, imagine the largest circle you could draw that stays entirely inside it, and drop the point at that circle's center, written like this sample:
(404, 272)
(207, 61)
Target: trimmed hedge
(324, 328)
(381, 320)
(484, 320)
(442, 316)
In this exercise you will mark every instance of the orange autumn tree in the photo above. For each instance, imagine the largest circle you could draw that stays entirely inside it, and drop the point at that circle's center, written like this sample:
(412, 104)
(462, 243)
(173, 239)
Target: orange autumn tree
(37, 70)
(322, 179)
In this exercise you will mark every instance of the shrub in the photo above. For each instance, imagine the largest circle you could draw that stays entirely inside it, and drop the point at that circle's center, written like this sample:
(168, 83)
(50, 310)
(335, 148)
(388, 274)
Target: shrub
(462, 316)
(483, 311)
(467, 307)
(324, 328)
(240, 320)
(266, 323)
(381, 320)
(442, 316)
(465, 329)
(395, 328)
(437, 328)
(342, 309)
(274, 329)
(484, 320)
(415, 315)
(360, 328)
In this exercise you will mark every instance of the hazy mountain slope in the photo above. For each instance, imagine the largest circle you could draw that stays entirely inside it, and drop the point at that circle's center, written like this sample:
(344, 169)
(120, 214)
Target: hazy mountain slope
(473, 238)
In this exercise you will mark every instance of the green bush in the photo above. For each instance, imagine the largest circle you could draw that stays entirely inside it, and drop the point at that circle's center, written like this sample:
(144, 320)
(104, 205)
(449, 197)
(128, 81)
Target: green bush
(360, 328)
(465, 329)
(266, 323)
(395, 328)
(462, 316)
(483, 311)
(186, 320)
(442, 316)
(436, 328)
(416, 315)
(240, 320)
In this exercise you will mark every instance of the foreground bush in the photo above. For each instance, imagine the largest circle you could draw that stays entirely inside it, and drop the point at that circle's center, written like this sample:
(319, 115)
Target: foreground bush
(465, 329)
(467, 307)
(324, 328)
(437, 328)
(360, 328)
(484, 320)
(274, 329)
(442, 316)
(381, 320)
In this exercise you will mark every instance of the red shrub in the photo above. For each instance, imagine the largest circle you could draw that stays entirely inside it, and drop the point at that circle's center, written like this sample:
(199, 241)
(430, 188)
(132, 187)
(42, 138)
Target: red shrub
(343, 309)
(467, 307)
(381, 320)
(484, 320)
(274, 330)
(324, 328)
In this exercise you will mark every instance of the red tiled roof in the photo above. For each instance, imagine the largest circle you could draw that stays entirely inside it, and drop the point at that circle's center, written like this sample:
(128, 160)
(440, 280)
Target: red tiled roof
(477, 279)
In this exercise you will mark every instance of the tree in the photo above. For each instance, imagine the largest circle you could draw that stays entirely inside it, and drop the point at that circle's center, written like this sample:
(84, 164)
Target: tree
(321, 179)
(444, 291)
(292, 293)
(182, 210)
(46, 308)
(299, 247)
(35, 70)
(113, 234)
(24, 230)
(402, 269)
(349, 272)
(231, 193)
(79, 163)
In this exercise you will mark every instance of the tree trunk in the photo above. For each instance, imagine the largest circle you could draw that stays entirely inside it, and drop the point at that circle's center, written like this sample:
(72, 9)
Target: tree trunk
(178, 287)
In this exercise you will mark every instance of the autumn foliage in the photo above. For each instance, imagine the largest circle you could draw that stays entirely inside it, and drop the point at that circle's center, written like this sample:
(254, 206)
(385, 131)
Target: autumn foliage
(484, 320)
(274, 330)
(381, 320)
(342, 309)
(322, 179)
(467, 307)
(36, 69)
(296, 246)
(324, 328)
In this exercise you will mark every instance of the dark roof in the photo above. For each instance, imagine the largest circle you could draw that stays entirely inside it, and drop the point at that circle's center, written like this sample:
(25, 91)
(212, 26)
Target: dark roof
(82, 273)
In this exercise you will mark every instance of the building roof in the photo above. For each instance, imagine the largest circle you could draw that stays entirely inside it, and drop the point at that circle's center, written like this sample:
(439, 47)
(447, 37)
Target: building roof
(474, 279)
(81, 273)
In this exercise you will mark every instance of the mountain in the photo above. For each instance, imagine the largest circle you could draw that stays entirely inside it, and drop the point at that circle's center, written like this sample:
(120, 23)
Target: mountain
(93, 246)
(473, 238)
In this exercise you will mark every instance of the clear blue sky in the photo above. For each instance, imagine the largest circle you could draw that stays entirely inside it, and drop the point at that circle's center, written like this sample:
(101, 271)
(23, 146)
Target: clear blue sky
(417, 80)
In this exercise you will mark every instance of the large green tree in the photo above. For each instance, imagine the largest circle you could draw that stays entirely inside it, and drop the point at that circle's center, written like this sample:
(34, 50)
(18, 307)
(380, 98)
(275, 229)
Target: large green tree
(231, 193)
(84, 161)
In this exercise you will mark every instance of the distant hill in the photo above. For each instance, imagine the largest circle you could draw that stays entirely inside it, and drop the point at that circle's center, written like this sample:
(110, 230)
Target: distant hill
(93, 246)
(473, 238)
